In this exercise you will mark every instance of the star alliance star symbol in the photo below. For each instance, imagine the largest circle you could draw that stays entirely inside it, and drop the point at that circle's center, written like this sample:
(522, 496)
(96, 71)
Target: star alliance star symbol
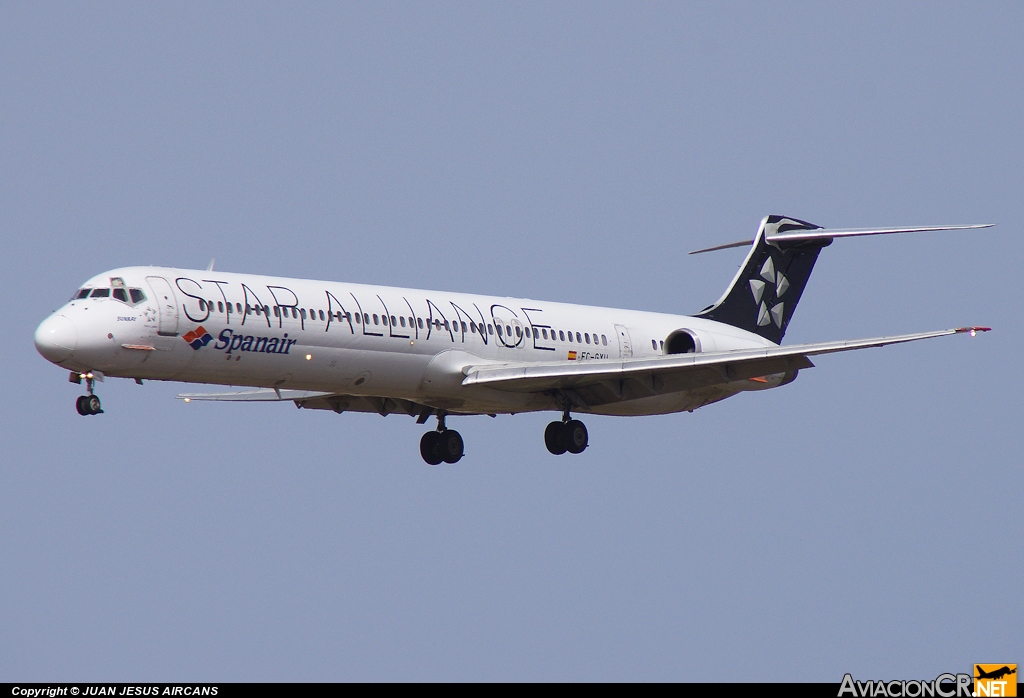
(767, 293)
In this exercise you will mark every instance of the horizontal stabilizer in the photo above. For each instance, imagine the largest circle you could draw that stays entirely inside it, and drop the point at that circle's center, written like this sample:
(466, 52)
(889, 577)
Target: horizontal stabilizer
(831, 233)
(260, 395)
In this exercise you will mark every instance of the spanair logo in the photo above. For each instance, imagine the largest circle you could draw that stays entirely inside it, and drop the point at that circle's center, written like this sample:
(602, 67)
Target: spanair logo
(995, 680)
(198, 338)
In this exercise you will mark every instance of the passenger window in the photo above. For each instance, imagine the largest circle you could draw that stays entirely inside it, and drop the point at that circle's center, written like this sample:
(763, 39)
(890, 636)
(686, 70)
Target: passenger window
(586, 337)
(321, 314)
(384, 320)
(604, 340)
(561, 335)
(366, 318)
(578, 339)
(490, 329)
(545, 333)
(122, 295)
(662, 343)
(412, 322)
(446, 326)
(277, 311)
(394, 321)
(464, 329)
(499, 330)
(472, 328)
(376, 320)
(519, 331)
(570, 336)
(238, 308)
(403, 321)
(654, 345)
(101, 293)
(302, 313)
(527, 331)
(248, 309)
(419, 321)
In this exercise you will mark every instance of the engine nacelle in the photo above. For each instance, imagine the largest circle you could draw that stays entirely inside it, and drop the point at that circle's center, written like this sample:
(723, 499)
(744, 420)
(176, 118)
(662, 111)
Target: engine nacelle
(682, 341)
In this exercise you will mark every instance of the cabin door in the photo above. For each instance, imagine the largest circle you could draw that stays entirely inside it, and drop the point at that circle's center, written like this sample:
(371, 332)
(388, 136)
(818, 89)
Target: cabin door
(625, 346)
(166, 304)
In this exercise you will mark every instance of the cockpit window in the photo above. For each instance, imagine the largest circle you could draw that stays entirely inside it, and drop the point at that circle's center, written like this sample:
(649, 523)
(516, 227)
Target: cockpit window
(101, 293)
(121, 295)
(84, 293)
(137, 295)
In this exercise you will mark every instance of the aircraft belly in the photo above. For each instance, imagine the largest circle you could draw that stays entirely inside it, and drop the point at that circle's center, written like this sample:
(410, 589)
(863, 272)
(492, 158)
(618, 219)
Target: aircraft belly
(329, 369)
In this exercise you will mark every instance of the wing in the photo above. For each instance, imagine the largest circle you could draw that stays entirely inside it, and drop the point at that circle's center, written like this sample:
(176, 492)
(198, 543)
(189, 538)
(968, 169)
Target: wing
(260, 395)
(317, 400)
(675, 372)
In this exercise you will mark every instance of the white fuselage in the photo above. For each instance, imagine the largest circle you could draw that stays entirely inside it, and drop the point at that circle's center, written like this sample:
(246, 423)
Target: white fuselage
(354, 339)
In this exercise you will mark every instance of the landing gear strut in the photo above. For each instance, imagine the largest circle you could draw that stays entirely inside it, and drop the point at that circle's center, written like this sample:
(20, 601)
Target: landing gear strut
(88, 404)
(444, 444)
(568, 435)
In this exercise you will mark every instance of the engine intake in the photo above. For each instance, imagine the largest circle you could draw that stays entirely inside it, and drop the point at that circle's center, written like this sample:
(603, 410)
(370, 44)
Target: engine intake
(682, 342)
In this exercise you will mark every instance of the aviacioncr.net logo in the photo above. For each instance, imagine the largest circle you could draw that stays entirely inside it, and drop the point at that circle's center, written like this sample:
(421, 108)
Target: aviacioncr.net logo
(943, 686)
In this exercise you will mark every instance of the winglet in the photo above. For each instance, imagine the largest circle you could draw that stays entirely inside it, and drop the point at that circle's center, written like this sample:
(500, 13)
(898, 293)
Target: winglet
(972, 330)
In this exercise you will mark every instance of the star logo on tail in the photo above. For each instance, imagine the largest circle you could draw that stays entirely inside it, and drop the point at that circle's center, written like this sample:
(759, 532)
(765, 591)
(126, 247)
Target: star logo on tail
(767, 290)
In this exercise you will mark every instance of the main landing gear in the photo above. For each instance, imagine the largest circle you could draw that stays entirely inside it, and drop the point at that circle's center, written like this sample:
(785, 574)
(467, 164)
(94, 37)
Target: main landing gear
(87, 404)
(444, 444)
(568, 435)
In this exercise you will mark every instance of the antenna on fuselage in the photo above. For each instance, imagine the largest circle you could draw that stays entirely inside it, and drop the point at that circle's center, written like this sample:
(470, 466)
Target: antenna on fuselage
(210, 266)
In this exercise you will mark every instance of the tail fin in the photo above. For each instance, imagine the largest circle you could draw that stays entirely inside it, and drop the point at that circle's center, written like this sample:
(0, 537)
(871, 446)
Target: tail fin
(764, 294)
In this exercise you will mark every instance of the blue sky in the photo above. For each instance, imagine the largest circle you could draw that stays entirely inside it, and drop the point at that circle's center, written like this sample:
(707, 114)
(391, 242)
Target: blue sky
(859, 520)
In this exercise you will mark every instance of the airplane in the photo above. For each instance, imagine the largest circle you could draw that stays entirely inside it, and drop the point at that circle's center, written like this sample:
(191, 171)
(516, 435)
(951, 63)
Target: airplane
(996, 674)
(360, 348)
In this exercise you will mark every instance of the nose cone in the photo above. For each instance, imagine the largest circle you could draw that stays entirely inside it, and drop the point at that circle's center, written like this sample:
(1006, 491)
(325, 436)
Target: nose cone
(56, 338)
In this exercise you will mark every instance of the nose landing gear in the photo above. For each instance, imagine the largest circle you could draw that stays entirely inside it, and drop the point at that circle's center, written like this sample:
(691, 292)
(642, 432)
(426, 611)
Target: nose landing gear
(87, 404)
(568, 435)
(444, 444)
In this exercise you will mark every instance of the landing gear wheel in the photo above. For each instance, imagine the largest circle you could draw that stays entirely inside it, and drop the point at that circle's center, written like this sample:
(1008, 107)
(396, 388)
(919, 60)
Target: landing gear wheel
(553, 439)
(451, 445)
(93, 403)
(575, 437)
(430, 448)
(81, 404)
